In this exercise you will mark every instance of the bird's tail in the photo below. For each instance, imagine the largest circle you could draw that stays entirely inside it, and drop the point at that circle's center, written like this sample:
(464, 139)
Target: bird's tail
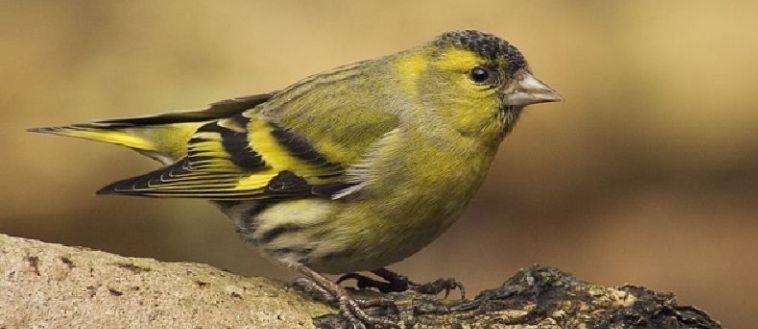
(163, 142)
(163, 137)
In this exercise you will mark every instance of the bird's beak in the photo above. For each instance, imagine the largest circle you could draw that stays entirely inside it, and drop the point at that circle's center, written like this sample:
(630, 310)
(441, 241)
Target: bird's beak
(526, 89)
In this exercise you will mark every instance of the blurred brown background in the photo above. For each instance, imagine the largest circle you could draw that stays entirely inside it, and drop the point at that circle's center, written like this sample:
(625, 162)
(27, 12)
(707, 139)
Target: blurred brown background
(647, 173)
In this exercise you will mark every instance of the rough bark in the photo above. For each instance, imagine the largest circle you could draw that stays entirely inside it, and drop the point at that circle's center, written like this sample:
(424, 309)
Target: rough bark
(45, 285)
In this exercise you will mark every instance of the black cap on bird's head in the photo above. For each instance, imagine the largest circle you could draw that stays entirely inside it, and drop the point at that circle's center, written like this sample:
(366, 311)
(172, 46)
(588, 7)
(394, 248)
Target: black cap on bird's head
(521, 86)
(487, 46)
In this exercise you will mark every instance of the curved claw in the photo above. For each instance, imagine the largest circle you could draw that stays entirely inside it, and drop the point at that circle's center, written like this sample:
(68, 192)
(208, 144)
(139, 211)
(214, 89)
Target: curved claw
(354, 310)
(398, 282)
(440, 285)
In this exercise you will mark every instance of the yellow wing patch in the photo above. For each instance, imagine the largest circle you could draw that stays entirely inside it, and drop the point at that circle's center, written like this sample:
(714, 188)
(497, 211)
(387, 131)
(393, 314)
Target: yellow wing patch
(237, 158)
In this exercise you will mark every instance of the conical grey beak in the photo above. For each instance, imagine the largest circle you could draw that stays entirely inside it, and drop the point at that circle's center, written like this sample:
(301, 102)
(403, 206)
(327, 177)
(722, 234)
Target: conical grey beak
(526, 89)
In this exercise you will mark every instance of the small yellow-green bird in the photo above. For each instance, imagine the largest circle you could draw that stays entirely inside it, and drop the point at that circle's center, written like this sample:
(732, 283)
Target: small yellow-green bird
(348, 170)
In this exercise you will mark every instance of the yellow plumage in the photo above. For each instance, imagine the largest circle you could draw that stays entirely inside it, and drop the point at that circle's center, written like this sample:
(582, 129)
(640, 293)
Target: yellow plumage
(352, 169)
(160, 142)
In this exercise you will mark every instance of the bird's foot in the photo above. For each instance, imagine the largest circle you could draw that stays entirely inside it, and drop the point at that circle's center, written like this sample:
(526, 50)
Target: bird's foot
(353, 310)
(312, 289)
(395, 282)
(440, 285)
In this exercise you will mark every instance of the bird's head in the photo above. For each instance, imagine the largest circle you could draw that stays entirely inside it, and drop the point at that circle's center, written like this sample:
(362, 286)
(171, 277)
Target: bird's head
(473, 81)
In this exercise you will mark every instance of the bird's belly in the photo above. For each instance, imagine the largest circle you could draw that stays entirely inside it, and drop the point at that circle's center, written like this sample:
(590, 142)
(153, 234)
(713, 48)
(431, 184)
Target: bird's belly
(384, 222)
(387, 235)
(401, 216)
(337, 236)
(377, 247)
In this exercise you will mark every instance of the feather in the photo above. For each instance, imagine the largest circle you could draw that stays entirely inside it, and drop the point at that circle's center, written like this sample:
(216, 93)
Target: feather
(162, 137)
(244, 157)
(216, 110)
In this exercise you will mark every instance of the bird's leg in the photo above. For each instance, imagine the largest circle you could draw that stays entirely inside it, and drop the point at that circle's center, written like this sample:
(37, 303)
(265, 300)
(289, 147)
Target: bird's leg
(311, 288)
(351, 308)
(398, 283)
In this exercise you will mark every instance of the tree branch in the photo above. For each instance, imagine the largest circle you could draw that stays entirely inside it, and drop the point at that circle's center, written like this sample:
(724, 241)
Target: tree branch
(45, 285)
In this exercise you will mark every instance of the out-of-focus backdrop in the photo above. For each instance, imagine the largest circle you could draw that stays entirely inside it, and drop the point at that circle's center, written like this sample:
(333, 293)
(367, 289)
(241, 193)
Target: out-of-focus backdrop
(647, 173)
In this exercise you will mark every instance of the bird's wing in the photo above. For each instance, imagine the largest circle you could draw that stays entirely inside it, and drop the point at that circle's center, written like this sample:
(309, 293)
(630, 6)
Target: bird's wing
(242, 157)
(299, 143)
(221, 109)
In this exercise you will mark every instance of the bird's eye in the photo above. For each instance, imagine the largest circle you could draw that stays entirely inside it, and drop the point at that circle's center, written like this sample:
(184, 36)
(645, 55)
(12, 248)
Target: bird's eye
(479, 74)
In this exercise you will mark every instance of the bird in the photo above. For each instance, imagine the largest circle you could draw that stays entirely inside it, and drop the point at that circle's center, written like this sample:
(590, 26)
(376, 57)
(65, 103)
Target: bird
(348, 170)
